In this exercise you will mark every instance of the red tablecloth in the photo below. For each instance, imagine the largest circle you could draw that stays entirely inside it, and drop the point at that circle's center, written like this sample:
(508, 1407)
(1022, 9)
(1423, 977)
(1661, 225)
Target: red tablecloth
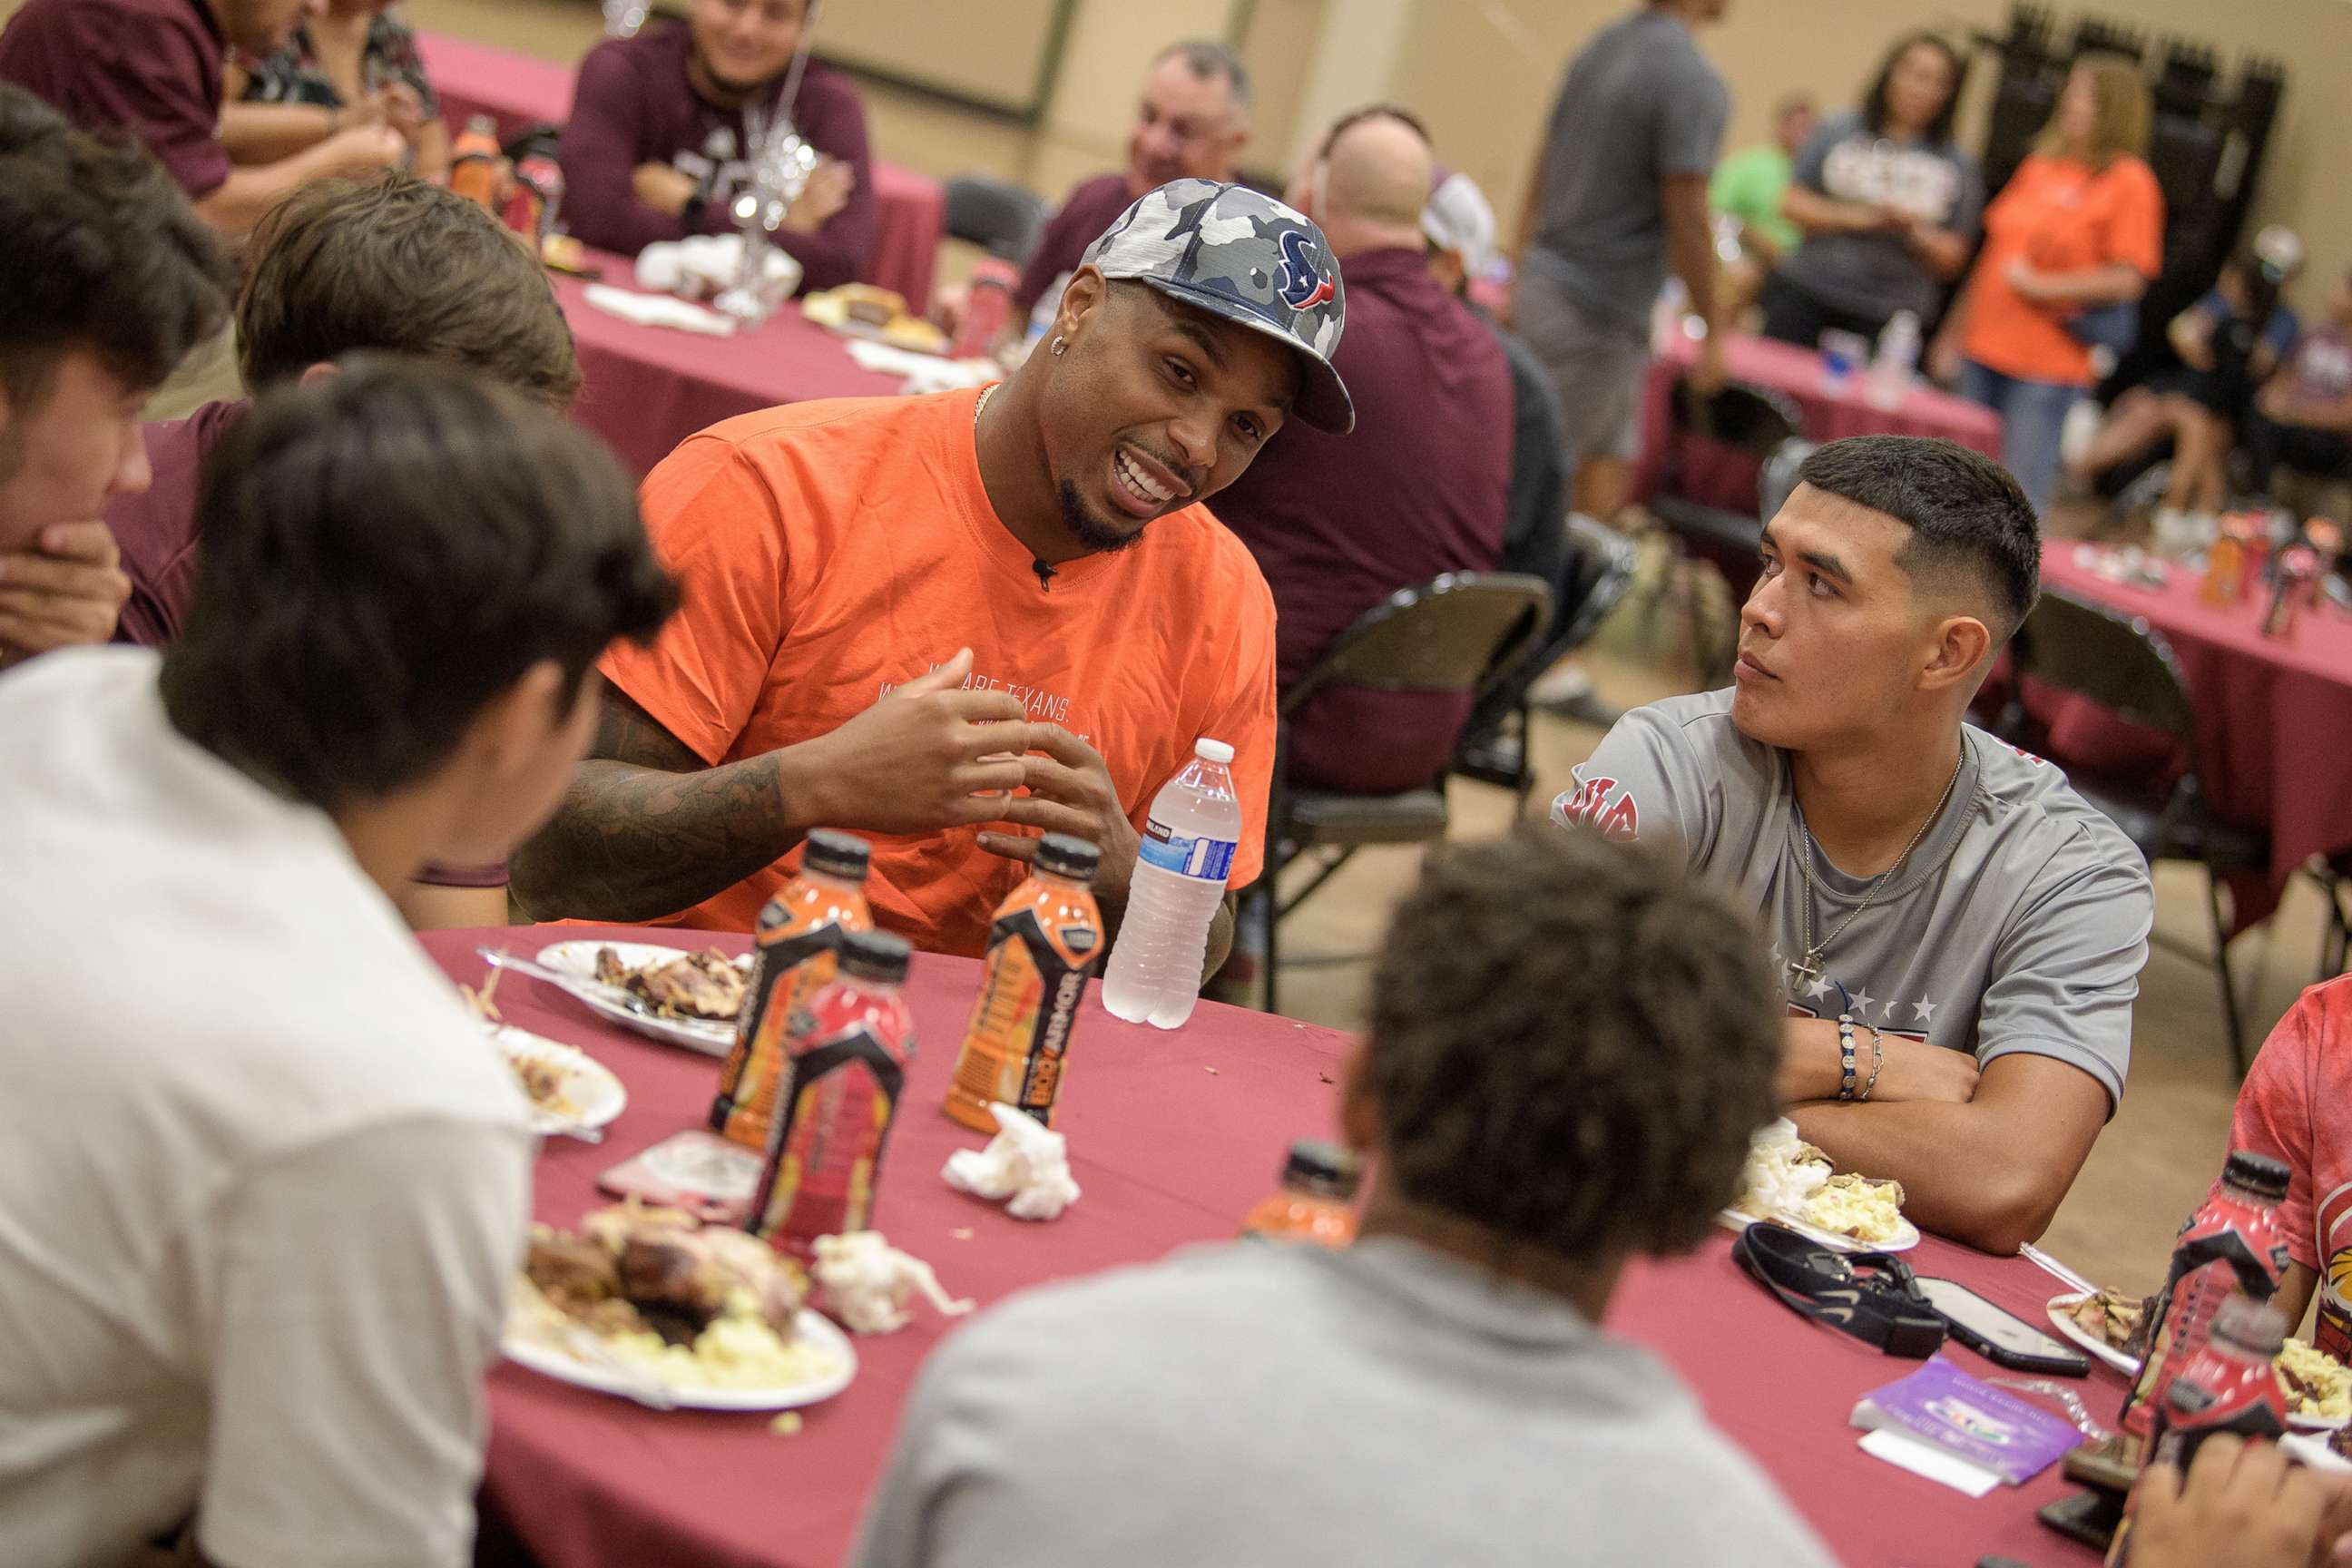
(1174, 1137)
(519, 91)
(1727, 480)
(646, 389)
(2273, 714)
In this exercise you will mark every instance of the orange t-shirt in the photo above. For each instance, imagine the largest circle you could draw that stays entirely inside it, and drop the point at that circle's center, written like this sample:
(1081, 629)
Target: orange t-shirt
(2057, 214)
(831, 551)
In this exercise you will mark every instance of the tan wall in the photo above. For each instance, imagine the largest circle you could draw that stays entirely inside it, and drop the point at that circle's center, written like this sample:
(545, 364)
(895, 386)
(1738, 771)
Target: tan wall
(1109, 45)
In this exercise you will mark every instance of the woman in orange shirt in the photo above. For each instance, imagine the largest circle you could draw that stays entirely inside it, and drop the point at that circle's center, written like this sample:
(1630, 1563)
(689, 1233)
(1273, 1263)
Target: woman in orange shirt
(2079, 227)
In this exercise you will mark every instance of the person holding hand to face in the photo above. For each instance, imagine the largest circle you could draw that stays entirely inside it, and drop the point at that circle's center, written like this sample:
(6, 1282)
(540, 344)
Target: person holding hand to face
(666, 128)
(114, 278)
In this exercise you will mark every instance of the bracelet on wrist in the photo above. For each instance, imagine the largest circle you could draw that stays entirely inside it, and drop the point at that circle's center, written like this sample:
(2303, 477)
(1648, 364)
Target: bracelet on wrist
(1845, 1055)
(1877, 1062)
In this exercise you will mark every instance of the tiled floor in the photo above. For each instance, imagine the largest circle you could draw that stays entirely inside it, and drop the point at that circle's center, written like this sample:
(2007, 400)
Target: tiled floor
(2154, 1162)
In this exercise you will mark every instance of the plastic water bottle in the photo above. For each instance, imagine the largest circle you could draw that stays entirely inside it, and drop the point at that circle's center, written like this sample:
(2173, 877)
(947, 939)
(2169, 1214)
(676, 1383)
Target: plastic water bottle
(1180, 879)
(1898, 356)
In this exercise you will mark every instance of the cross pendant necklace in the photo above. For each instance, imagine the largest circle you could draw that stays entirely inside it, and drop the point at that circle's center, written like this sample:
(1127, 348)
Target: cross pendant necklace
(1805, 970)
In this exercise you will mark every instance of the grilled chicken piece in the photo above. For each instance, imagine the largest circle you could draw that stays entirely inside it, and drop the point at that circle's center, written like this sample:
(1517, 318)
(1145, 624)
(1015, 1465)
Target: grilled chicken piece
(706, 985)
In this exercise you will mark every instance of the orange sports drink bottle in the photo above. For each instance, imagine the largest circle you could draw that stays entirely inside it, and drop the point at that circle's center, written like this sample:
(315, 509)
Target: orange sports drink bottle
(799, 937)
(1315, 1203)
(1045, 941)
(474, 162)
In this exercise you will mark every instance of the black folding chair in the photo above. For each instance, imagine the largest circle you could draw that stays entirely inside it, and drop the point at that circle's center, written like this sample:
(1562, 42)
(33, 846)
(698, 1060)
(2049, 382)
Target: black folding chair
(1596, 570)
(1449, 635)
(1752, 421)
(996, 214)
(2074, 646)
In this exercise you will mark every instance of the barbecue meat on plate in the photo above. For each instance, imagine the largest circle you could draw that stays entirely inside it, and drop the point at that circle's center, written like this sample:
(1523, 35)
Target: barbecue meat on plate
(706, 985)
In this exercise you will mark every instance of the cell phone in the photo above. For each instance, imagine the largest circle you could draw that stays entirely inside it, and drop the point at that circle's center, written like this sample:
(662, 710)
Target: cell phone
(2000, 1337)
(2090, 1518)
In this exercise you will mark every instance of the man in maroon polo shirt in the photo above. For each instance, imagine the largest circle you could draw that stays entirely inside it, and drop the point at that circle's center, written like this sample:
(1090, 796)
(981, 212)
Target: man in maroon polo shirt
(1190, 124)
(110, 279)
(1336, 530)
(153, 68)
(664, 124)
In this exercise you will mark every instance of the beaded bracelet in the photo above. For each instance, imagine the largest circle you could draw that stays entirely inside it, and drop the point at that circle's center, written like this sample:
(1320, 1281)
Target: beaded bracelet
(1845, 1055)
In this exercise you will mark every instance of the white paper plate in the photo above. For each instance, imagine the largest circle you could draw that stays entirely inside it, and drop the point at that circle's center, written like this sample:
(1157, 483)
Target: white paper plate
(1904, 1239)
(2129, 1364)
(552, 1360)
(588, 1083)
(579, 958)
(2060, 1309)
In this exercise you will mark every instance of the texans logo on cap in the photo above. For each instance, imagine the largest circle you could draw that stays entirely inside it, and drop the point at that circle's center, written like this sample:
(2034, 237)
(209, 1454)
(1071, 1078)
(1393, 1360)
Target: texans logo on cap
(1301, 287)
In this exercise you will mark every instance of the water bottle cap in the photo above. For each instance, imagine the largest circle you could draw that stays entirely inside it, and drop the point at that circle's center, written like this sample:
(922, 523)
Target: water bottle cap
(2257, 1173)
(837, 854)
(1212, 750)
(1066, 855)
(1321, 1167)
(874, 956)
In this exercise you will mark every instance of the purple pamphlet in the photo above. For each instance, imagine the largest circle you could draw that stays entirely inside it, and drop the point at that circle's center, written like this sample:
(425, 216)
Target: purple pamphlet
(1970, 1419)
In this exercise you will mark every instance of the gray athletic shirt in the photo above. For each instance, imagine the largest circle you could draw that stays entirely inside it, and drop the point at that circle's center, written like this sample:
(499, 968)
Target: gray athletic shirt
(1876, 274)
(1384, 1407)
(1639, 105)
(2020, 922)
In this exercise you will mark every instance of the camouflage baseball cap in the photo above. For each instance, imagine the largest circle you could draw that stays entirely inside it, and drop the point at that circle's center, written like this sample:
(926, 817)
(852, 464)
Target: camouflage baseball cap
(1236, 253)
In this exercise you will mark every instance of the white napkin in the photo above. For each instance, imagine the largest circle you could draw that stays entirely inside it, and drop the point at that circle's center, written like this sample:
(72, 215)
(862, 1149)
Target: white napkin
(705, 265)
(1927, 1459)
(1026, 1161)
(924, 373)
(658, 310)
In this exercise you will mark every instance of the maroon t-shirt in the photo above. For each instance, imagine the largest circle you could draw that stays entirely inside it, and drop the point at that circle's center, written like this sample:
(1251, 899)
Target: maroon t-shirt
(635, 105)
(150, 68)
(1339, 522)
(159, 535)
(1086, 212)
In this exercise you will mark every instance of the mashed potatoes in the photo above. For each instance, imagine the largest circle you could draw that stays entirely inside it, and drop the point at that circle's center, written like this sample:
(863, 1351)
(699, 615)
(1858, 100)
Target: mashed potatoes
(1788, 1179)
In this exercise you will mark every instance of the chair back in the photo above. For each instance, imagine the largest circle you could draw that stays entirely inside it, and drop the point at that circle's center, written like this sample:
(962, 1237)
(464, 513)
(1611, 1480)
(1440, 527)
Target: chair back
(1778, 478)
(2089, 650)
(1449, 635)
(1754, 420)
(1598, 569)
(998, 217)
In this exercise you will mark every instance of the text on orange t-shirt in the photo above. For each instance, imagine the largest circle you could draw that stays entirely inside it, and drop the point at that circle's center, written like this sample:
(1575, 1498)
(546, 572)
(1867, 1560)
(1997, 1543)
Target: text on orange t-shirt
(831, 551)
(2057, 214)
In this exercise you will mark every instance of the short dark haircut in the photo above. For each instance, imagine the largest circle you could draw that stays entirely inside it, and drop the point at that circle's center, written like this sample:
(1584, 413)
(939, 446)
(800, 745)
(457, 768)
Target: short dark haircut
(1572, 1044)
(1967, 518)
(101, 252)
(397, 265)
(1873, 101)
(385, 551)
(1206, 60)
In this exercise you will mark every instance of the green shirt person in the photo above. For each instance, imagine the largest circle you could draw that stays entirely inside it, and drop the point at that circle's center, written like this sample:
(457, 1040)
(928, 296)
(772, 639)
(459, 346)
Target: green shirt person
(1749, 184)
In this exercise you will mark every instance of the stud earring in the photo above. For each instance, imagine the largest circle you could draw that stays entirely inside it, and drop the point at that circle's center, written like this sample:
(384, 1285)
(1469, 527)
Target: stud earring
(1060, 347)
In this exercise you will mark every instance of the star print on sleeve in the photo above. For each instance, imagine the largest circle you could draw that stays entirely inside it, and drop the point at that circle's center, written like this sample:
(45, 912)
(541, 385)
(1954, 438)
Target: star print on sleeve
(1925, 1012)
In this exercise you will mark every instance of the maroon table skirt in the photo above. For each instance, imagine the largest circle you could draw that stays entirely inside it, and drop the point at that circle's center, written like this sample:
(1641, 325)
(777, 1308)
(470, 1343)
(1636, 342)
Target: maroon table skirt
(2273, 714)
(520, 91)
(1174, 1137)
(646, 389)
(1727, 479)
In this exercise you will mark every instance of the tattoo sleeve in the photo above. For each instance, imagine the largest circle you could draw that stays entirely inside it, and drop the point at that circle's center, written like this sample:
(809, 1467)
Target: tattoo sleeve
(645, 830)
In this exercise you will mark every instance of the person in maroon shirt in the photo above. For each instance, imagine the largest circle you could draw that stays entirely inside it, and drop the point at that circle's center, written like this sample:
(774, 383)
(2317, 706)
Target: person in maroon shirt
(1190, 124)
(335, 270)
(111, 279)
(1421, 489)
(153, 68)
(662, 125)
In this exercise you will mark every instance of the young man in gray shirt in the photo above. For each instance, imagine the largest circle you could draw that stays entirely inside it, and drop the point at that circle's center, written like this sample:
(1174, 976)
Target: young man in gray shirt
(1570, 1042)
(1980, 925)
(1620, 192)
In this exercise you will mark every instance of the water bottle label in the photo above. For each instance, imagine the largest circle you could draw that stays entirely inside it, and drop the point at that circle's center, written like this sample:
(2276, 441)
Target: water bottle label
(1208, 859)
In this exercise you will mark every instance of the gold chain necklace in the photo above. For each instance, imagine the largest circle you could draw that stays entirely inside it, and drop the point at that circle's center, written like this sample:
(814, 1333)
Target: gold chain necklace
(1808, 967)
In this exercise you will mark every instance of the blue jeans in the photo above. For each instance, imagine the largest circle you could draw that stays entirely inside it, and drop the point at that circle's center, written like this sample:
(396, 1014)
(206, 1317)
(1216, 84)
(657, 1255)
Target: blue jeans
(2033, 414)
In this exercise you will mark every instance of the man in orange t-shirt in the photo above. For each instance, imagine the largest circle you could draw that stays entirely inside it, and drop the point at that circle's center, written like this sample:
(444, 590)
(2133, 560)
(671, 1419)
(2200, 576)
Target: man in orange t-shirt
(897, 610)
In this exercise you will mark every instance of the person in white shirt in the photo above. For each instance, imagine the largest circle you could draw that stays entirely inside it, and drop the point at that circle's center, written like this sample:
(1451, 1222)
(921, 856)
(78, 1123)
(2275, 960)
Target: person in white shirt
(262, 1181)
